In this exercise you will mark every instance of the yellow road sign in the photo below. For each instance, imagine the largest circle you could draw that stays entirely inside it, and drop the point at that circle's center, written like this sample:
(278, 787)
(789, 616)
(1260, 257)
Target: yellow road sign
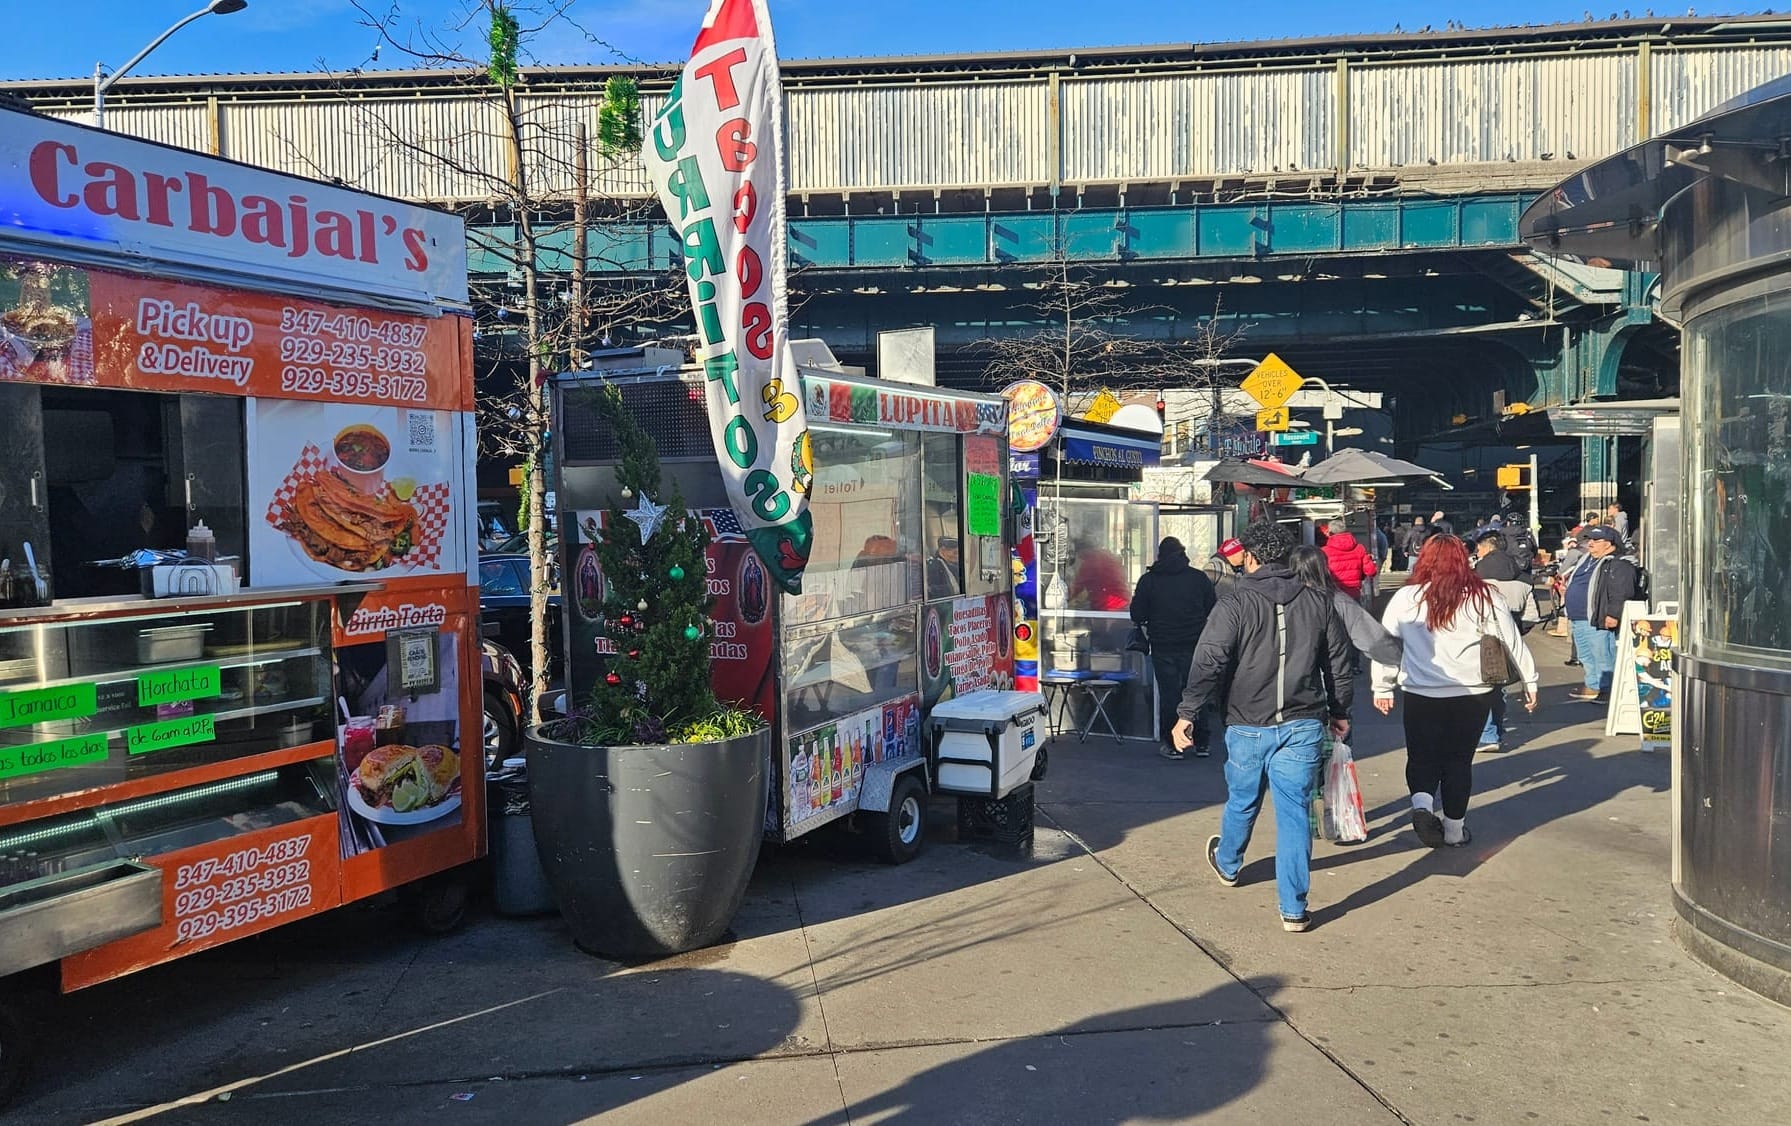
(1104, 407)
(1273, 382)
(1275, 418)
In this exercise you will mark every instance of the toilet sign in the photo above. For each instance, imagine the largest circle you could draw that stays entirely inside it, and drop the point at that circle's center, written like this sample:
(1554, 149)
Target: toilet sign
(1273, 383)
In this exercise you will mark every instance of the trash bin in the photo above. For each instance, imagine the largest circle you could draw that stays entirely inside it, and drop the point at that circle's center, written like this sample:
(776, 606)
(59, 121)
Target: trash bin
(518, 886)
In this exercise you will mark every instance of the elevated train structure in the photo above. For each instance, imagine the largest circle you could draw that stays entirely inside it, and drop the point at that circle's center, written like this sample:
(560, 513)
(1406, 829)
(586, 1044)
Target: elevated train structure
(1349, 203)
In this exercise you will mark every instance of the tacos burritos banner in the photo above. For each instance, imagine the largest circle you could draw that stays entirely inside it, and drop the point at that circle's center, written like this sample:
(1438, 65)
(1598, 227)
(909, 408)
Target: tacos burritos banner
(716, 156)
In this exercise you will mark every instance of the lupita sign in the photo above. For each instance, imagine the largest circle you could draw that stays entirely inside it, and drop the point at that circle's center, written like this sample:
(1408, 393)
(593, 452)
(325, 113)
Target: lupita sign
(715, 154)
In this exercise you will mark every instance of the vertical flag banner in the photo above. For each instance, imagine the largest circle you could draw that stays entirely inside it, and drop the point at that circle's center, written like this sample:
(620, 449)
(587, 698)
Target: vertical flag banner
(715, 153)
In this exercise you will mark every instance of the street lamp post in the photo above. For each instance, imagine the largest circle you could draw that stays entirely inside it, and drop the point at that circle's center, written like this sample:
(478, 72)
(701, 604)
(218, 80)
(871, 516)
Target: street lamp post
(103, 81)
(1212, 419)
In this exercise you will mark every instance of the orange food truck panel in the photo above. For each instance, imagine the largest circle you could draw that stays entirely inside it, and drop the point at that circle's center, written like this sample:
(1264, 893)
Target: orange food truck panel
(189, 342)
(225, 890)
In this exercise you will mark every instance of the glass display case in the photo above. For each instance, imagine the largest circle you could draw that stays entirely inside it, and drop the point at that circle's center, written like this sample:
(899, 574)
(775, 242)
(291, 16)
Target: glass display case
(162, 823)
(92, 703)
(837, 669)
(1091, 555)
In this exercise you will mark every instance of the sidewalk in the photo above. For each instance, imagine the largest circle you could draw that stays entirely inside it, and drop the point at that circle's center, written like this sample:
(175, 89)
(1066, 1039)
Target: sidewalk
(1531, 977)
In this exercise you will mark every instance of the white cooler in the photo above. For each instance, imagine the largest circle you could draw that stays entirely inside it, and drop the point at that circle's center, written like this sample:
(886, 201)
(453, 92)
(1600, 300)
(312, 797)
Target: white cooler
(986, 744)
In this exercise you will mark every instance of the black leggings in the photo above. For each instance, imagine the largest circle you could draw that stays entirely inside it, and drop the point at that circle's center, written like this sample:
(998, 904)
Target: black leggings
(1441, 735)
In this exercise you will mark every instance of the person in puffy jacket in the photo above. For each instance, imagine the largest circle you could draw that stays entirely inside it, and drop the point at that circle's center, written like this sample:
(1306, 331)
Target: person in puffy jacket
(1171, 603)
(1350, 563)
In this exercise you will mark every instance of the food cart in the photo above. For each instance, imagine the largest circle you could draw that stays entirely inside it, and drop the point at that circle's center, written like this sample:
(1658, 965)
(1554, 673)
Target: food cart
(906, 601)
(264, 386)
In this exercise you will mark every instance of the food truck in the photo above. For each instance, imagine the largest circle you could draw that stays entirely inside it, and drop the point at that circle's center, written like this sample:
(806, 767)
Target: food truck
(907, 599)
(239, 660)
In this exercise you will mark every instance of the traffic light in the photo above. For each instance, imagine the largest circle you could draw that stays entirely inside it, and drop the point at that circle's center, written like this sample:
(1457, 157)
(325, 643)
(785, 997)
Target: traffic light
(1514, 476)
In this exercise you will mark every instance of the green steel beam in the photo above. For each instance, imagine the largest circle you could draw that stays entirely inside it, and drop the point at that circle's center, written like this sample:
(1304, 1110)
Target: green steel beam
(1142, 234)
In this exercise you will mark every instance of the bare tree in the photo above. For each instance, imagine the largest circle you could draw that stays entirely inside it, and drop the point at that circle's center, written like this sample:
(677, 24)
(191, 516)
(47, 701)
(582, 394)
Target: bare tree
(1096, 336)
(532, 158)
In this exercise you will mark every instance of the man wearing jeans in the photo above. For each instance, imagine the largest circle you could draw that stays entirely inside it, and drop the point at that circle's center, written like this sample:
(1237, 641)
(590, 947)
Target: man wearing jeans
(1596, 592)
(1287, 659)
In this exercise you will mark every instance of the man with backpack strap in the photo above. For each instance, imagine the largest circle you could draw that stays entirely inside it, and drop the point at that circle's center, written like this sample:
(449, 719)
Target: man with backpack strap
(1282, 659)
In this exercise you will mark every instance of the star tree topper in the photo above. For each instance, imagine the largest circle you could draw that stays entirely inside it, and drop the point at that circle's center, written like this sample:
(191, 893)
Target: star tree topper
(648, 515)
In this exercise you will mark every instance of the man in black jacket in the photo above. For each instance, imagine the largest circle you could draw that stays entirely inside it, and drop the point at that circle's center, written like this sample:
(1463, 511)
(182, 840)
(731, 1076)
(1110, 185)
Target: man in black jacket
(1172, 602)
(1596, 592)
(1281, 658)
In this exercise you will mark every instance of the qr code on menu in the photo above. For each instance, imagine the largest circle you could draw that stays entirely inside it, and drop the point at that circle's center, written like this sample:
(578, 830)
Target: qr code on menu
(420, 426)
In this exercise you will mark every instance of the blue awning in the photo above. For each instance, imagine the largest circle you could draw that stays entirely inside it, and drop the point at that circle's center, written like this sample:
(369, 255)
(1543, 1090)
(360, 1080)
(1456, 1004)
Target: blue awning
(1111, 448)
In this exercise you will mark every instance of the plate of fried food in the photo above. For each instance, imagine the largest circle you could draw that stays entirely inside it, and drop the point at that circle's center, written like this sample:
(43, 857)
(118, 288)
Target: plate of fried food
(399, 785)
(332, 522)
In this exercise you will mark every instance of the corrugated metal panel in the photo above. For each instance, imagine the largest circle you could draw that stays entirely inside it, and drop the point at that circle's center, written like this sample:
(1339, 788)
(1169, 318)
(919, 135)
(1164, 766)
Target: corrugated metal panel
(431, 149)
(171, 125)
(1197, 125)
(1690, 83)
(1491, 110)
(917, 136)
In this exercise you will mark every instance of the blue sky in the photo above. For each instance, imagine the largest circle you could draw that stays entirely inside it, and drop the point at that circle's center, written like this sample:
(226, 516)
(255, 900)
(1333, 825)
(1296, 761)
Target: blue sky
(66, 38)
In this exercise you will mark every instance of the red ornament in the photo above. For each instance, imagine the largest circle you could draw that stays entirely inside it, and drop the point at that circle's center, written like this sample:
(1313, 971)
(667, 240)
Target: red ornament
(634, 654)
(612, 680)
(626, 621)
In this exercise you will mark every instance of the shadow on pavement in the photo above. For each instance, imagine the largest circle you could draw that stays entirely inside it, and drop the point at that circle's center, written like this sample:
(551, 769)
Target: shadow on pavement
(349, 1001)
(1553, 783)
(1150, 1067)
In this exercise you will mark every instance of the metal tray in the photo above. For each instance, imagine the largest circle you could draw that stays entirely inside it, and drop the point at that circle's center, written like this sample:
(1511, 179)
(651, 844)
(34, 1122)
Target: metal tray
(52, 917)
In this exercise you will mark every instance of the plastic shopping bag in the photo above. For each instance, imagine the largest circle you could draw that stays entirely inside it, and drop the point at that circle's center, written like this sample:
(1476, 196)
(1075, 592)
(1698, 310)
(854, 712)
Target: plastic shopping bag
(1345, 821)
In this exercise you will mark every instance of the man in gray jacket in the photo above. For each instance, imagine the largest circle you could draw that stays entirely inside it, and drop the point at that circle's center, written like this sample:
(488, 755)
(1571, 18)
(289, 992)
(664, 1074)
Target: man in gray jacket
(1267, 648)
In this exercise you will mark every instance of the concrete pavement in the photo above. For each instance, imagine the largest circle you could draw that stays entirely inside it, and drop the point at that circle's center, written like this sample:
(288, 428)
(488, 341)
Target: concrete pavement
(1107, 978)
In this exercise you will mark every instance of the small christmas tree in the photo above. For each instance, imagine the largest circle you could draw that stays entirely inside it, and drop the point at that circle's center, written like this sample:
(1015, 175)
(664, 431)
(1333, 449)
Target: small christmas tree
(655, 609)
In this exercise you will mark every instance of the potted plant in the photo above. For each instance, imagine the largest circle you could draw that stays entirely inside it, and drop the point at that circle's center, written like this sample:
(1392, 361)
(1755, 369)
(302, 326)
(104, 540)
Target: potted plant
(649, 797)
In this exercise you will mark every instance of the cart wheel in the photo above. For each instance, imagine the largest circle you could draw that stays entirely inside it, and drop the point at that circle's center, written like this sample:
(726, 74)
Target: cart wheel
(15, 1050)
(1040, 765)
(897, 836)
(437, 905)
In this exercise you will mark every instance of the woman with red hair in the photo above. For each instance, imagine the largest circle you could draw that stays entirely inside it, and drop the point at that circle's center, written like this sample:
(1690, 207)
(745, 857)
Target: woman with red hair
(1440, 615)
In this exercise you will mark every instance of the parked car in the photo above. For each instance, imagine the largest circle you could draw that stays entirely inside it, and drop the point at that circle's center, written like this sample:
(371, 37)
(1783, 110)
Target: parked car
(505, 690)
(518, 544)
(504, 587)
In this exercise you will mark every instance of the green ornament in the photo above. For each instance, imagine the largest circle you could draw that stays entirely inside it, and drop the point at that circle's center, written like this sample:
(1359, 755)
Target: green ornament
(677, 573)
(691, 633)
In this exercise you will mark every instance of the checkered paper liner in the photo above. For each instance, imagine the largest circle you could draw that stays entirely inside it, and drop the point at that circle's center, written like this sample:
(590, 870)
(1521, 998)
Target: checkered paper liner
(432, 502)
(75, 368)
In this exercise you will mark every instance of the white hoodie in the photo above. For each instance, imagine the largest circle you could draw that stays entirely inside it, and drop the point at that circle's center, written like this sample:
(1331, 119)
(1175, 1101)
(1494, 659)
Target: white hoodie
(1447, 662)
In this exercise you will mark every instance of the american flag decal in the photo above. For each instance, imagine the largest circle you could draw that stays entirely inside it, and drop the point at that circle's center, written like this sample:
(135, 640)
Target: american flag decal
(723, 525)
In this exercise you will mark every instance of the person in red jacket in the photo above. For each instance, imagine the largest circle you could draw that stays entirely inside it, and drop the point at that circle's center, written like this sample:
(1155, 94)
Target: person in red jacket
(1350, 563)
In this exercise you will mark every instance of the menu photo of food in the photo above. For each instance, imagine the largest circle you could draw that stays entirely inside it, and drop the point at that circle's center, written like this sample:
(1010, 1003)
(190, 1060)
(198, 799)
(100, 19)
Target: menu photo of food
(46, 331)
(353, 491)
(400, 752)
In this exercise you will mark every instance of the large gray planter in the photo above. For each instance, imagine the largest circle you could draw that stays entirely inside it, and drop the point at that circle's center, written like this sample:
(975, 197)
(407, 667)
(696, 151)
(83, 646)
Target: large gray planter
(648, 849)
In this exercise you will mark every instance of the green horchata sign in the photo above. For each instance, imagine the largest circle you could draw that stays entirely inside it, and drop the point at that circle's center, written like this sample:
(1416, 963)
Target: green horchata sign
(198, 682)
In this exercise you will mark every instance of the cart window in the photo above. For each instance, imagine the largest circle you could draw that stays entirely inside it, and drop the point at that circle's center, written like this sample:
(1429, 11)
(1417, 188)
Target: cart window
(942, 478)
(986, 559)
(837, 669)
(866, 511)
